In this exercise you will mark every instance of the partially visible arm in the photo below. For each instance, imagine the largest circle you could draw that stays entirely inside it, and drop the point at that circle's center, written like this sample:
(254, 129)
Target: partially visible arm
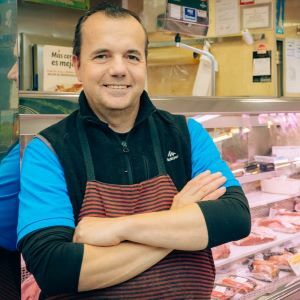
(228, 218)
(107, 266)
(60, 266)
(9, 202)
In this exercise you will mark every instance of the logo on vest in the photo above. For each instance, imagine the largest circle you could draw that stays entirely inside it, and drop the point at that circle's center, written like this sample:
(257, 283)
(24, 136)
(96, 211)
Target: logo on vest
(172, 156)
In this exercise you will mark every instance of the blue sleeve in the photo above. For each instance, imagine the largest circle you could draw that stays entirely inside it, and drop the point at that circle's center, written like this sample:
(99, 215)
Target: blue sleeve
(44, 199)
(9, 190)
(205, 155)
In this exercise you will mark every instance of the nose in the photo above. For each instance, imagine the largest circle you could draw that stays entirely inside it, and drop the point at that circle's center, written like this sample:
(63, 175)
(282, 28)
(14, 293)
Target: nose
(13, 74)
(118, 67)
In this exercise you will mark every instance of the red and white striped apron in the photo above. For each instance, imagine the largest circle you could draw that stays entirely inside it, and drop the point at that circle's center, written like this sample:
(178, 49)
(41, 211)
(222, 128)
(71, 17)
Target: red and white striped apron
(181, 274)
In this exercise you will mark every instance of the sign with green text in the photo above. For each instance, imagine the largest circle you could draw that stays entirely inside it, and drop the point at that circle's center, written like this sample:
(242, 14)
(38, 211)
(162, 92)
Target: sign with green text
(76, 4)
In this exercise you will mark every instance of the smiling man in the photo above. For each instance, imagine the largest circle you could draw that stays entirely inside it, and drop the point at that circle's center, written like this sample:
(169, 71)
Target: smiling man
(108, 209)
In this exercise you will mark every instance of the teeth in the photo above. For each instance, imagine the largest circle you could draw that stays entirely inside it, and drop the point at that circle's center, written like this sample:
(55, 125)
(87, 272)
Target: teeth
(116, 86)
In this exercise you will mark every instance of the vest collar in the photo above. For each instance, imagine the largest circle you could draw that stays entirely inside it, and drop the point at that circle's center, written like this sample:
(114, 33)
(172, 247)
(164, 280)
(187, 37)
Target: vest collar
(145, 110)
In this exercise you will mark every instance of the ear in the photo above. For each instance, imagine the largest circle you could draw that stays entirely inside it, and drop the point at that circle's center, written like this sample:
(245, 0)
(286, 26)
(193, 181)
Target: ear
(76, 65)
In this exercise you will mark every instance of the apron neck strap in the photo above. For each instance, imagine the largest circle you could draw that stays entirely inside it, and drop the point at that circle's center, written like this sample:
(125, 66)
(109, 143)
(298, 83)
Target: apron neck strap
(86, 151)
(157, 147)
(87, 156)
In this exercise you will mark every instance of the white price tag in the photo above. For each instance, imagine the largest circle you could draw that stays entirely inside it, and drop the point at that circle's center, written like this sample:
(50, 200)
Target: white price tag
(240, 279)
(219, 288)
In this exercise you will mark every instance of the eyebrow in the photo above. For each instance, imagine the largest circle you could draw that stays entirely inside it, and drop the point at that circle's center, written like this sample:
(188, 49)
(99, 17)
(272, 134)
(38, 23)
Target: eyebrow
(133, 51)
(99, 51)
(130, 51)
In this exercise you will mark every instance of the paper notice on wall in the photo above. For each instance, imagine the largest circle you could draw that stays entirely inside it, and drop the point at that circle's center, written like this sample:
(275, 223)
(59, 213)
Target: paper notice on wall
(175, 11)
(256, 16)
(57, 72)
(261, 67)
(292, 65)
(227, 17)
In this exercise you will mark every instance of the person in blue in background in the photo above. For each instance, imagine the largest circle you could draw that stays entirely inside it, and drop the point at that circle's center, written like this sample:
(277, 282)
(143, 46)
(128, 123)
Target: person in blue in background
(9, 202)
(10, 269)
(121, 200)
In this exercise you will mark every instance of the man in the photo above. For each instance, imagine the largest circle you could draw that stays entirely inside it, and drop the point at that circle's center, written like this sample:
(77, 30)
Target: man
(100, 214)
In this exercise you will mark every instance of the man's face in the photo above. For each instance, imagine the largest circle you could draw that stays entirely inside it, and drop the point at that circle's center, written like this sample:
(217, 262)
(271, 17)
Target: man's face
(112, 63)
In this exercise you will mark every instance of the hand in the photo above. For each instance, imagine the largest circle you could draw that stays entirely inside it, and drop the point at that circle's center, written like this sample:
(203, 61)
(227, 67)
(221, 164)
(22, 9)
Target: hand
(99, 231)
(205, 186)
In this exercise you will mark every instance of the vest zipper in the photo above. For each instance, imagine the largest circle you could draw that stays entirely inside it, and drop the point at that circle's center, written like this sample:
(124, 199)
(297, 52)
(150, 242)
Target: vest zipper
(126, 150)
(146, 166)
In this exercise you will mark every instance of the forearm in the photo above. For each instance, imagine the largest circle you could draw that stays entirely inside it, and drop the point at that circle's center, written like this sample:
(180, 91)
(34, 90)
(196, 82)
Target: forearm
(180, 229)
(227, 219)
(107, 266)
(193, 227)
(60, 266)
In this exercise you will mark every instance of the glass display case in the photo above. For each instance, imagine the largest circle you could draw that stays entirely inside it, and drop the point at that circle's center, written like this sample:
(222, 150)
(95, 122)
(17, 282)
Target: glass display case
(260, 140)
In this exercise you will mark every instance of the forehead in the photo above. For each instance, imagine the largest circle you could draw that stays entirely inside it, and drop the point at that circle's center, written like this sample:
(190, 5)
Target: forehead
(99, 26)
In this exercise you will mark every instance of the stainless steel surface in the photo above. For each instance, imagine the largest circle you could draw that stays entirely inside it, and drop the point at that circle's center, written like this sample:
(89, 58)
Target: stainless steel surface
(199, 105)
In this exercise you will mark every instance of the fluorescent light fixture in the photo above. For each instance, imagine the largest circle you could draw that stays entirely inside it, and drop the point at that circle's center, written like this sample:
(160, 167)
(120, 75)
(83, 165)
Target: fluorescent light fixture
(235, 131)
(222, 137)
(204, 118)
(245, 130)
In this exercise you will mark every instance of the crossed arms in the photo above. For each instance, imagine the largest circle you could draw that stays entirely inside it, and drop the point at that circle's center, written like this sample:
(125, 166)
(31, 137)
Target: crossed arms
(126, 246)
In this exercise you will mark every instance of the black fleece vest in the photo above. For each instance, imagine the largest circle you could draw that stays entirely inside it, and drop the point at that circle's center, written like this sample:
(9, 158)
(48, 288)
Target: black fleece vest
(110, 160)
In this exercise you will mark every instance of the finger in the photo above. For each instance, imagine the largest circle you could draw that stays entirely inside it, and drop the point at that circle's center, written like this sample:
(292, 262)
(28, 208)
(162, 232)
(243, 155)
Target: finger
(215, 194)
(194, 180)
(205, 183)
(201, 181)
(210, 187)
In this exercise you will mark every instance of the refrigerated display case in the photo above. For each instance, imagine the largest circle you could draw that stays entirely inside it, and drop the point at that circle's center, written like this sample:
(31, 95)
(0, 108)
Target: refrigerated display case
(260, 140)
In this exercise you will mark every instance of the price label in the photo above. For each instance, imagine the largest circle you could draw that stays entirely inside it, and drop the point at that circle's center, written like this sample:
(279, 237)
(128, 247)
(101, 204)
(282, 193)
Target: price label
(241, 279)
(219, 288)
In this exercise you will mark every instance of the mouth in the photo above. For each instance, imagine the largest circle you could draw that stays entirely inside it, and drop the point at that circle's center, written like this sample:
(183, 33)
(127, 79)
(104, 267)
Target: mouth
(117, 86)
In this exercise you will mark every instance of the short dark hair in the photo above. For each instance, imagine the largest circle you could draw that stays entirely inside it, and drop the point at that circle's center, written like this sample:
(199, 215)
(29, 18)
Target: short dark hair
(109, 10)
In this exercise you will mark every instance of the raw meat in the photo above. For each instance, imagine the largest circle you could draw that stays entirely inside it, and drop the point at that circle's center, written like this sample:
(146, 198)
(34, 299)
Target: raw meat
(264, 270)
(289, 213)
(221, 252)
(277, 224)
(292, 219)
(239, 284)
(281, 260)
(258, 235)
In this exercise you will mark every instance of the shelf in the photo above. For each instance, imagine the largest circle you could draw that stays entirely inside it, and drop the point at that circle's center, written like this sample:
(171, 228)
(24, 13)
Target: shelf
(190, 105)
(259, 176)
(264, 288)
(270, 287)
(239, 252)
(259, 198)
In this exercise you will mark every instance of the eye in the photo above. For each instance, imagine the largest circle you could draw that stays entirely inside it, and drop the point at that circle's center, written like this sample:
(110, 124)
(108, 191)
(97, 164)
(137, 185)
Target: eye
(101, 56)
(133, 57)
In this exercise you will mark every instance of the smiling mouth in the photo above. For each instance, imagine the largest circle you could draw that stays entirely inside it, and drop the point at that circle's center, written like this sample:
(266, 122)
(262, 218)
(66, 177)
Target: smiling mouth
(116, 86)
